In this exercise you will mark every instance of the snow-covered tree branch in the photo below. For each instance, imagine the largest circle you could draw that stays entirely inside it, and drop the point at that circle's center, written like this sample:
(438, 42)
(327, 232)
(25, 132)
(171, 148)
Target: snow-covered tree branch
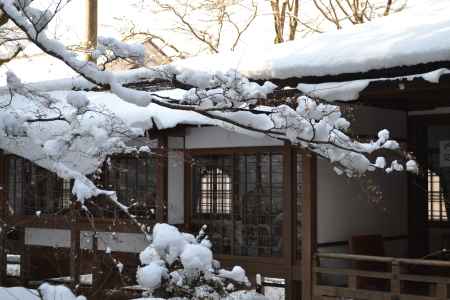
(72, 135)
(230, 100)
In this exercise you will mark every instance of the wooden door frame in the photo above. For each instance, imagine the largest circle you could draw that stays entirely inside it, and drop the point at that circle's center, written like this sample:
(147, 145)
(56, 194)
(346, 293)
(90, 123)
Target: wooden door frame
(309, 225)
(418, 205)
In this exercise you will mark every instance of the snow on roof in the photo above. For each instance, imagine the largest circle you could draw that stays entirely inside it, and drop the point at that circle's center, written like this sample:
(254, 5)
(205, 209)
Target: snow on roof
(136, 118)
(36, 68)
(419, 34)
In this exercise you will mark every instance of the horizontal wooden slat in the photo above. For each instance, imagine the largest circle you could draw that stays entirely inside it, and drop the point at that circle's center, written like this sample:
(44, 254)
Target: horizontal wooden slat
(328, 292)
(424, 262)
(408, 261)
(353, 272)
(355, 257)
(424, 278)
(338, 292)
(438, 284)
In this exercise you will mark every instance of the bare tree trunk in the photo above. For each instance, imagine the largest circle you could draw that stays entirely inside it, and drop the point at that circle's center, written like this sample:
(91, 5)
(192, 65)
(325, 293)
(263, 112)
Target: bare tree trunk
(293, 19)
(287, 10)
(388, 7)
(277, 21)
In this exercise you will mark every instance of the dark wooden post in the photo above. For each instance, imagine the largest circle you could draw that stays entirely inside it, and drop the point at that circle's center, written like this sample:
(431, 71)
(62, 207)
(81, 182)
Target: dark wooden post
(417, 191)
(289, 209)
(25, 259)
(309, 228)
(395, 281)
(441, 291)
(161, 181)
(3, 258)
(74, 247)
(3, 225)
(96, 268)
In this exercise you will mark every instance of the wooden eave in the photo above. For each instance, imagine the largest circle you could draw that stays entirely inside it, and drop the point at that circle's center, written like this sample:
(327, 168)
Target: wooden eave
(374, 74)
(389, 88)
(407, 95)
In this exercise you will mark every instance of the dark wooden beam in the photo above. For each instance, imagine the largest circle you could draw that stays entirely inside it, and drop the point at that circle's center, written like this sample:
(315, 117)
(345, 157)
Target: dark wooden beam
(309, 233)
(75, 253)
(3, 227)
(393, 72)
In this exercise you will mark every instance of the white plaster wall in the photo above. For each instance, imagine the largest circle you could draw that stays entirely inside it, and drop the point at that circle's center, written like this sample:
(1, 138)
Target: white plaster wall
(175, 192)
(345, 208)
(216, 137)
(117, 241)
(58, 238)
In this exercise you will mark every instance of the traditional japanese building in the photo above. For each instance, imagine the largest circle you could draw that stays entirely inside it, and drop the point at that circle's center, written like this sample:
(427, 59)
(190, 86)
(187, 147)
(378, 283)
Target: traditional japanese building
(270, 207)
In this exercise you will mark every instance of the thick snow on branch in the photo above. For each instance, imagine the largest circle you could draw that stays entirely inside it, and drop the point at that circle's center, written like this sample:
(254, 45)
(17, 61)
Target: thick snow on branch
(227, 99)
(72, 132)
(110, 49)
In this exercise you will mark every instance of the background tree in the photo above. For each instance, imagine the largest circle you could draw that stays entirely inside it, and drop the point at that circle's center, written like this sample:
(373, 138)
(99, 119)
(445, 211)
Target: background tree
(212, 25)
(341, 12)
(9, 40)
(286, 11)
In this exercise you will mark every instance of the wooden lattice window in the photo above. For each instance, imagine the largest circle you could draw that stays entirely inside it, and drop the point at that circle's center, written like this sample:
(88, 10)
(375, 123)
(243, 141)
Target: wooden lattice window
(240, 197)
(437, 204)
(215, 192)
(135, 181)
(32, 189)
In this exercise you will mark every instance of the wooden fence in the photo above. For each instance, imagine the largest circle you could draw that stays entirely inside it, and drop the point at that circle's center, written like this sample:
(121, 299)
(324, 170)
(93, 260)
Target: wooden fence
(361, 277)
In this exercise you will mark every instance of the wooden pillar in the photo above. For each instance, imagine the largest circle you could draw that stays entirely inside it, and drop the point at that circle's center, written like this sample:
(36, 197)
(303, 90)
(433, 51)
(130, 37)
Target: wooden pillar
(96, 269)
(289, 223)
(91, 23)
(309, 228)
(187, 192)
(91, 27)
(25, 259)
(75, 255)
(395, 281)
(418, 235)
(3, 225)
(161, 180)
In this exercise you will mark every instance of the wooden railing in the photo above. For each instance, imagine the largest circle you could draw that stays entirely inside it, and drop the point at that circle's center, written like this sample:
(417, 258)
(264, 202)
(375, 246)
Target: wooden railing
(360, 277)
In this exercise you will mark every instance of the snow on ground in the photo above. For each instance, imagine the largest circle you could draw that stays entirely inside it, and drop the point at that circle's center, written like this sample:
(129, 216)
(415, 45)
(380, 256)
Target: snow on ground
(49, 292)
(241, 295)
(416, 35)
(57, 292)
(15, 293)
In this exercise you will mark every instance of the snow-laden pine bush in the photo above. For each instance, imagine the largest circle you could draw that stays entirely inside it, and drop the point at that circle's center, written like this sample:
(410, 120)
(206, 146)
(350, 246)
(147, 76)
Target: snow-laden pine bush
(181, 266)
